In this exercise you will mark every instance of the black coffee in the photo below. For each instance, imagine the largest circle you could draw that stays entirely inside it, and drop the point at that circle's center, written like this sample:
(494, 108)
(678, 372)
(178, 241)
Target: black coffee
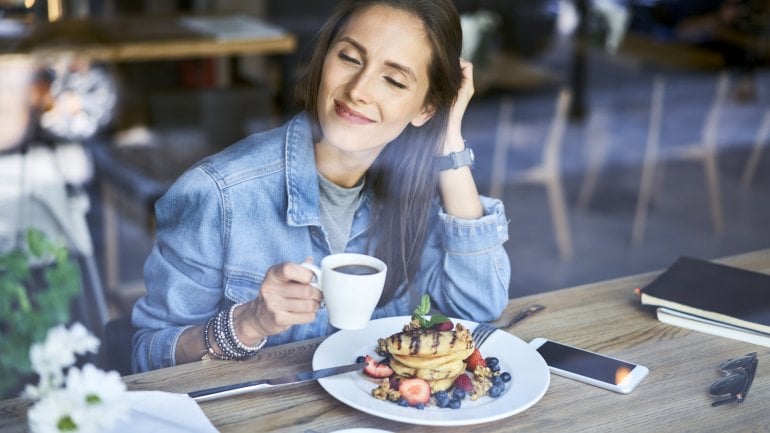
(356, 269)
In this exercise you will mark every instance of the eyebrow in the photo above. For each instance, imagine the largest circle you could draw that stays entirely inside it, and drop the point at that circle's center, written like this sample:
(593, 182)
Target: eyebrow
(395, 65)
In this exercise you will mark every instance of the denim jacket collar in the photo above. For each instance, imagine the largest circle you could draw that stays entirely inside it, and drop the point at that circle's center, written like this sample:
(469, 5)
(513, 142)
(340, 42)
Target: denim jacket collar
(301, 173)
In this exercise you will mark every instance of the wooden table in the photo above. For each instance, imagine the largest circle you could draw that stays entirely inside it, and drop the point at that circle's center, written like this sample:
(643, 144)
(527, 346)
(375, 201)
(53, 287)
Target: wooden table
(604, 317)
(139, 38)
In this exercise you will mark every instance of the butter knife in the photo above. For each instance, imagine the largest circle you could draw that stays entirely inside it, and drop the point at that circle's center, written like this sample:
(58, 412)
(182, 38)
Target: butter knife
(256, 385)
(523, 314)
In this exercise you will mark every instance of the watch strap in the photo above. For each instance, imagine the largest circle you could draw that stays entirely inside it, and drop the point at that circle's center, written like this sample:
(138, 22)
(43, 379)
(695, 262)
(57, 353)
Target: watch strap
(456, 160)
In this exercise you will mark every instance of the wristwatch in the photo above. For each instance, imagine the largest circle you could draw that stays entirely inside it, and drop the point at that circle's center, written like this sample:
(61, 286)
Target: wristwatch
(457, 159)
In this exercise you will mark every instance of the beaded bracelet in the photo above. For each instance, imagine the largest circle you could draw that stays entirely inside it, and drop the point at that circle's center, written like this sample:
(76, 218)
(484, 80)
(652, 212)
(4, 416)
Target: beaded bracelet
(251, 350)
(227, 340)
(210, 350)
(220, 334)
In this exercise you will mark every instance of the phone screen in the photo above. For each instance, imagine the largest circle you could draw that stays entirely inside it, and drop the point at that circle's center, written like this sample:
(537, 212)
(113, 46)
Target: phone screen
(585, 363)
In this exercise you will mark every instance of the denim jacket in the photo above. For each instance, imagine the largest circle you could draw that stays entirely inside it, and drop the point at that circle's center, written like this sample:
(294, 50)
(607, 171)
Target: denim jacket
(230, 217)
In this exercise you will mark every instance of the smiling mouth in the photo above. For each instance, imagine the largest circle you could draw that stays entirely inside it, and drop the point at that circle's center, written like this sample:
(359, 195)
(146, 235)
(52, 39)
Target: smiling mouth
(353, 116)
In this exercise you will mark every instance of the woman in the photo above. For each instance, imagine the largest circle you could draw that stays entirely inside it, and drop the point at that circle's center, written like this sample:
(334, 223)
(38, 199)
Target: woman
(357, 171)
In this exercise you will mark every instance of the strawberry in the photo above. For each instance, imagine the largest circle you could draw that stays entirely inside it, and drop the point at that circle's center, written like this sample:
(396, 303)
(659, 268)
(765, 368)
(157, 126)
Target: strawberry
(474, 361)
(444, 326)
(414, 391)
(464, 382)
(375, 369)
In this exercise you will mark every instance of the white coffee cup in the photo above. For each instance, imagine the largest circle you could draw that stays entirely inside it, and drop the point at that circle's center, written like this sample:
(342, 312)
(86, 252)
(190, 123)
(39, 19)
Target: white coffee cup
(351, 285)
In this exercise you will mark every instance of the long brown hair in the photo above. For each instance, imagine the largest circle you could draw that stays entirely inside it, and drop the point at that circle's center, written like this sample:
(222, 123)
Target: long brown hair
(403, 177)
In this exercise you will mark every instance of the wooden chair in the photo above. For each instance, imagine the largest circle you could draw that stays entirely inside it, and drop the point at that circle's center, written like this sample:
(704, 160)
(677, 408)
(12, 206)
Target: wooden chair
(760, 142)
(704, 150)
(597, 141)
(547, 172)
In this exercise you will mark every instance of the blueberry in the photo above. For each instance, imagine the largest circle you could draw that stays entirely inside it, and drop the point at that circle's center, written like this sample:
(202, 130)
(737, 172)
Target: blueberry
(496, 380)
(493, 363)
(455, 403)
(496, 391)
(360, 359)
(505, 376)
(402, 402)
(458, 393)
(420, 406)
(442, 399)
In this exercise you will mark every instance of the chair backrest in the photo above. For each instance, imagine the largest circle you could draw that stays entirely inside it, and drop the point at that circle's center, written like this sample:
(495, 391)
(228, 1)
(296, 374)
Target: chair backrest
(553, 142)
(711, 125)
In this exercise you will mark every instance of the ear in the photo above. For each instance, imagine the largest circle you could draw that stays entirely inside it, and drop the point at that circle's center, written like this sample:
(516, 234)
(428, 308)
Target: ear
(425, 115)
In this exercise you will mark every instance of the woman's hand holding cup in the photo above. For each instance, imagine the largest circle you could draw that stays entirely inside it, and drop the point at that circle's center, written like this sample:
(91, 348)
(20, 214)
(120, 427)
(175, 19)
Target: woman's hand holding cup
(351, 285)
(285, 299)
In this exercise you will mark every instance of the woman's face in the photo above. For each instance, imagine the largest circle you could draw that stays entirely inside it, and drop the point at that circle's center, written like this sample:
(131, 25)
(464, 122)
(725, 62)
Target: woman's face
(374, 81)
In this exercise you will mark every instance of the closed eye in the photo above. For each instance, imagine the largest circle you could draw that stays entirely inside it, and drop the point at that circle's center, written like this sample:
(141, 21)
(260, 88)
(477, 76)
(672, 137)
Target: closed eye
(395, 83)
(348, 59)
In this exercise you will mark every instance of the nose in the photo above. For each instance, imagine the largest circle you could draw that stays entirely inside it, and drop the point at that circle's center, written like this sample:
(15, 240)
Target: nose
(360, 88)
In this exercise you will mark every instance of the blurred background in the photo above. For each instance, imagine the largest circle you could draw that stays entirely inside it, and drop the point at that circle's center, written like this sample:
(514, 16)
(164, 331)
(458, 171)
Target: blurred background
(620, 134)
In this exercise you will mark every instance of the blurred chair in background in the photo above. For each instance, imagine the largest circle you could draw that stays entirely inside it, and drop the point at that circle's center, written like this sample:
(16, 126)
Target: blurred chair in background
(705, 151)
(760, 142)
(547, 172)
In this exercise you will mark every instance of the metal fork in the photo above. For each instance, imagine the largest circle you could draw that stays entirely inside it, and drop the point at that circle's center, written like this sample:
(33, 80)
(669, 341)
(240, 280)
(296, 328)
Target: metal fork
(482, 331)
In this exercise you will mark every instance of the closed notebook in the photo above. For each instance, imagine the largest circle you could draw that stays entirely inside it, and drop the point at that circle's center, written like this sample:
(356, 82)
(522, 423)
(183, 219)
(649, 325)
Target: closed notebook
(697, 323)
(713, 291)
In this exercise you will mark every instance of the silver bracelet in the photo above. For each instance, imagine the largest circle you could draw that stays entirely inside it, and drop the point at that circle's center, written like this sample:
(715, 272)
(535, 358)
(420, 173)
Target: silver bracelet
(250, 350)
(221, 330)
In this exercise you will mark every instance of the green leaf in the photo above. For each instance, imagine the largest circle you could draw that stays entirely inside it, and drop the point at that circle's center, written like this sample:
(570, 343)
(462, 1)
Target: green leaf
(436, 319)
(424, 309)
(38, 244)
(14, 265)
(32, 300)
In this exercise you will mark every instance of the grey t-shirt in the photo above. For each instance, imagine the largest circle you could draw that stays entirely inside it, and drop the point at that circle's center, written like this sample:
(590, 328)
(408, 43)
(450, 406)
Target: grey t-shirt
(338, 206)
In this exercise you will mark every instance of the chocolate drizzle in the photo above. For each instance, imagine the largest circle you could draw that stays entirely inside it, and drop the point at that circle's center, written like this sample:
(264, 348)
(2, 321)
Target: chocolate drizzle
(416, 338)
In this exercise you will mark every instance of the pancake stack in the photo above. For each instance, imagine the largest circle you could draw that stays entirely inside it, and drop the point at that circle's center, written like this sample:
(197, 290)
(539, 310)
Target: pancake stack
(433, 355)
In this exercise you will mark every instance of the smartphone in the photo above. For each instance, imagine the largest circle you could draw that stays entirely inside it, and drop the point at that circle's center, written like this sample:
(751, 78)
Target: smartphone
(590, 367)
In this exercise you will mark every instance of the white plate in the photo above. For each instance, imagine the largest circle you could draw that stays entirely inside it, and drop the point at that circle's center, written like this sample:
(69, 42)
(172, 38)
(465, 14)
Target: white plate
(362, 430)
(529, 372)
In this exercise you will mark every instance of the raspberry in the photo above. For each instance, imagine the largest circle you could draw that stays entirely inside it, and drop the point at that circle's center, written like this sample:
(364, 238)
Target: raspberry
(464, 382)
(443, 326)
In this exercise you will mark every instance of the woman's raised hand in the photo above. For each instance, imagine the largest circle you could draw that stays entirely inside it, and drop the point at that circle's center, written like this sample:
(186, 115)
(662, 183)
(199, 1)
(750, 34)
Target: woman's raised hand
(454, 141)
(286, 298)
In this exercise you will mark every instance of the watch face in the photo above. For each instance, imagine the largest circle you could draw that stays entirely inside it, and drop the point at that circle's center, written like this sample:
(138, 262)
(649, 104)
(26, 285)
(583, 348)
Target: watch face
(82, 101)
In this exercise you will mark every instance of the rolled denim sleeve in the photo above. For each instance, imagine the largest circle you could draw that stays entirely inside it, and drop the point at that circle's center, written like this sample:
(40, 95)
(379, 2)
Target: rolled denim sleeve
(466, 269)
(183, 273)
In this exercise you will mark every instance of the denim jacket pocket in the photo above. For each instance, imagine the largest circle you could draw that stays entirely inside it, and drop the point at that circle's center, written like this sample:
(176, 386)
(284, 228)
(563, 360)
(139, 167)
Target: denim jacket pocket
(242, 286)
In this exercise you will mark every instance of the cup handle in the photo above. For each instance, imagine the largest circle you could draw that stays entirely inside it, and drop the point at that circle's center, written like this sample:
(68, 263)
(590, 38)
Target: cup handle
(316, 281)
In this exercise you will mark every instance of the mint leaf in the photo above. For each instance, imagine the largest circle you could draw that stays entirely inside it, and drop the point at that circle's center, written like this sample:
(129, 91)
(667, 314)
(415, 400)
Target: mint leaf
(423, 309)
(436, 319)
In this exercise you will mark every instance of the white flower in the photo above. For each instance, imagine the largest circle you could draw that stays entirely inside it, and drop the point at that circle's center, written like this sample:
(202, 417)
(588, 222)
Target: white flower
(100, 394)
(56, 353)
(55, 413)
(53, 354)
(81, 341)
(92, 400)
